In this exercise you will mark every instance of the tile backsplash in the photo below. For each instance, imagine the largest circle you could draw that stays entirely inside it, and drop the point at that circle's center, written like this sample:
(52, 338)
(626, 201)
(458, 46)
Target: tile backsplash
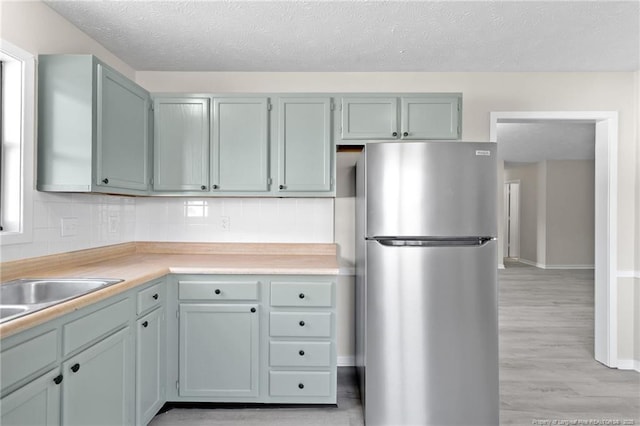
(93, 220)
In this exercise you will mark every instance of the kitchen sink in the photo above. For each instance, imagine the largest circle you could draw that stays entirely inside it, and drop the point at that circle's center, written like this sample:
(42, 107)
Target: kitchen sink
(24, 296)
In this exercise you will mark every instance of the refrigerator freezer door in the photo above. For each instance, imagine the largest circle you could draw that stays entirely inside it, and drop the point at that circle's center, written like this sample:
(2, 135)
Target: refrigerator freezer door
(431, 336)
(431, 189)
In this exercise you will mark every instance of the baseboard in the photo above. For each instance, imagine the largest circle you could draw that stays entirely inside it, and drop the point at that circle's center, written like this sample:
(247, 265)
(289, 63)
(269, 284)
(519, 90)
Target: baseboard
(628, 274)
(531, 263)
(346, 361)
(629, 364)
(501, 266)
(568, 267)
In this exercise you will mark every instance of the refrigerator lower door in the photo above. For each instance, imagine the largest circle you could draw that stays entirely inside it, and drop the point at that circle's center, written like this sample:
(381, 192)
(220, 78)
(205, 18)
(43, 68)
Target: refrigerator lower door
(431, 335)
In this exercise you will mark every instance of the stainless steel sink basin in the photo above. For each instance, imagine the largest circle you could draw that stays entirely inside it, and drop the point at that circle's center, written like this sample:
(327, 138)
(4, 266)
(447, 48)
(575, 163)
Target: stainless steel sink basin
(24, 296)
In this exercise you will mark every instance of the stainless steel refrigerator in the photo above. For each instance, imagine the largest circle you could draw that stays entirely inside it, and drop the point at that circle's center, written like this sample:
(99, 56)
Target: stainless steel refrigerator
(426, 283)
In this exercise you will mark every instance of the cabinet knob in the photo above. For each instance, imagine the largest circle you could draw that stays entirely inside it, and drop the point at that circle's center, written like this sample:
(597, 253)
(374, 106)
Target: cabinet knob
(58, 379)
(301, 352)
(155, 296)
(105, 181)
(145, 324)
(75, 367)
(253, 309)
(301, 295)
(217, 291)
(405, 134)
(281, 187)
(301, 323)
(301, 385)
(215, 187)
(203, 187)
(394, 134)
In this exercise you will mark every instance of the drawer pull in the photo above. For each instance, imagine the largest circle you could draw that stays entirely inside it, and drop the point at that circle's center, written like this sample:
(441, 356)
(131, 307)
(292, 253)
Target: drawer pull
(217, 291)
(301, 385)
(145, 324)
(155, 296)
(301, 295)
(301, 352)
(301, 323)
(58, 379)
(75, 367)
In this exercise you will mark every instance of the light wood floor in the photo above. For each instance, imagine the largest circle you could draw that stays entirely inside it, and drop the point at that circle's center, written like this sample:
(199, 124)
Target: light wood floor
(547, 370)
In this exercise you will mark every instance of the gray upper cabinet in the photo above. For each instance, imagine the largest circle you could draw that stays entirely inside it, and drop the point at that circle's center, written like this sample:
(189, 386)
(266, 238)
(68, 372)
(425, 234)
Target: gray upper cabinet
(240, 155)
(431, 117)
(305, 148)
(93, 128)
(181, 144)
(369, 118)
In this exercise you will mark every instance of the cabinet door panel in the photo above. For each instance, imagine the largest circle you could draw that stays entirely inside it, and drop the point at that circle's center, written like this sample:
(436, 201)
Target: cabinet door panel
(369, 118)
(219, 350)
(37, 403)
(304, 144)
(150, 365)
(181, 144)
(240, 156)
(100, 391)
(122, 132)
(430, 117)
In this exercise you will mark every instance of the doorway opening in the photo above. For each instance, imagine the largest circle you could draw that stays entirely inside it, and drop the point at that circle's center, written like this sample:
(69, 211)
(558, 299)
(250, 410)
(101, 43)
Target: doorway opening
(512, 220)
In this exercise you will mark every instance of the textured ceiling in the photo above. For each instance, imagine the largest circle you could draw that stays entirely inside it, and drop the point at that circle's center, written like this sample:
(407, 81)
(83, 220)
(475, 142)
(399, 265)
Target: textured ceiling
(357, 35)
(534, 142)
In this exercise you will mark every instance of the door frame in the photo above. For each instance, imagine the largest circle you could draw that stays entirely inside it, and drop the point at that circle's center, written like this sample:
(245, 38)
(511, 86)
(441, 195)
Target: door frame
(606, 226)
(508, 240)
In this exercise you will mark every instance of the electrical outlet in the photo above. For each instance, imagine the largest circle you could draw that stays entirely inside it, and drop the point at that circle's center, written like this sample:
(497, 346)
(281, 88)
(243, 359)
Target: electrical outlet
(113, 223)
(68, 226)
(225, 223)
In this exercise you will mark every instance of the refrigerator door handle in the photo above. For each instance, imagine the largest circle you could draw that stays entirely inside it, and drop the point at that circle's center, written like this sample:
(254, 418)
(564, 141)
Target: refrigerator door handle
(432, 241)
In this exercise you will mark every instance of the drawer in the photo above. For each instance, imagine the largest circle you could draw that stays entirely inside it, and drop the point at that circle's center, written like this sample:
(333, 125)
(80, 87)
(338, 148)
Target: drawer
(299, 383)
(300, 324)
(311, 294)
(150, 297)
(21, 361)
(218, 290)
(90, 327)
(300, 354)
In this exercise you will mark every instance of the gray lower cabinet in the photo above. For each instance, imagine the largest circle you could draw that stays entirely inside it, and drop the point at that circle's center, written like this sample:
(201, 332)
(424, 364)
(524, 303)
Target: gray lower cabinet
(97, 386)
(36, 403)
(219, 350)
(93, 128)
(150, 365)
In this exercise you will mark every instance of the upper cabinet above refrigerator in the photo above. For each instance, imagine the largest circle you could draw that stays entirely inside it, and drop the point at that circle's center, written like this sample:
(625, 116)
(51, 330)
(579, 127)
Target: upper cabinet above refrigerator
(406, 117)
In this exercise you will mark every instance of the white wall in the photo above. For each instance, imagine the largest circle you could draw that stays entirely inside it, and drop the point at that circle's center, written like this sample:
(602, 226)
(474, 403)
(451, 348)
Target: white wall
(527, 174)
(636, 318)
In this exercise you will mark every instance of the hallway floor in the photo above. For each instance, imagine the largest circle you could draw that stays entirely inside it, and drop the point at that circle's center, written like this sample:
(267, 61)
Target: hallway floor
(547, 370)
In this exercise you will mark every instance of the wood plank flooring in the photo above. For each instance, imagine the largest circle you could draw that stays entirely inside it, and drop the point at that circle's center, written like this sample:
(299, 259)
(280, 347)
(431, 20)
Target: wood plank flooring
(547, 370)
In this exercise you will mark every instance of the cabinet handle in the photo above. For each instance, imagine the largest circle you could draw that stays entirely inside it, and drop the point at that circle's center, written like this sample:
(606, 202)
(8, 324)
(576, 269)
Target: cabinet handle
(301, 385)
(203, 187)
(215, 186)
(58, 379)
(155, 296)
(217, 291)
(253, 309)
(394, 134)
(301, 295)
(105, 181)
(301, 323)
(405, 134)
(75, 367)
(145, 324)
(281, 187)
(301, 352)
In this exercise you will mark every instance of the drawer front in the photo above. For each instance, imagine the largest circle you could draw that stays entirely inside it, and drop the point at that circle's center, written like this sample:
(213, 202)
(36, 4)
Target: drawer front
(150, 297)
(302, 294)
(28, 357)
(300, 354)
(218, 290)
(300, 324)
(299, 383)
(86, 329)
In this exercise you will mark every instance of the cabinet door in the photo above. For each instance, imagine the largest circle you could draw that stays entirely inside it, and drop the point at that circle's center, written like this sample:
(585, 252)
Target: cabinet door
(305, 150)
(122, 132)
(98, 384)
(37, 403)
(240, 157)
(433, 117)
(369, 118)
(150, 365)
(181, 144)
(219, 350)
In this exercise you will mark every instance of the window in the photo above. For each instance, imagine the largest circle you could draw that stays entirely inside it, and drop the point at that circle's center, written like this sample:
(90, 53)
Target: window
(17, 110)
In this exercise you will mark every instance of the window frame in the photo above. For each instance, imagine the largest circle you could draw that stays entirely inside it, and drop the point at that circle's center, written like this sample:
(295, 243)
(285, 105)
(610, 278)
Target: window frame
(26, 74)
